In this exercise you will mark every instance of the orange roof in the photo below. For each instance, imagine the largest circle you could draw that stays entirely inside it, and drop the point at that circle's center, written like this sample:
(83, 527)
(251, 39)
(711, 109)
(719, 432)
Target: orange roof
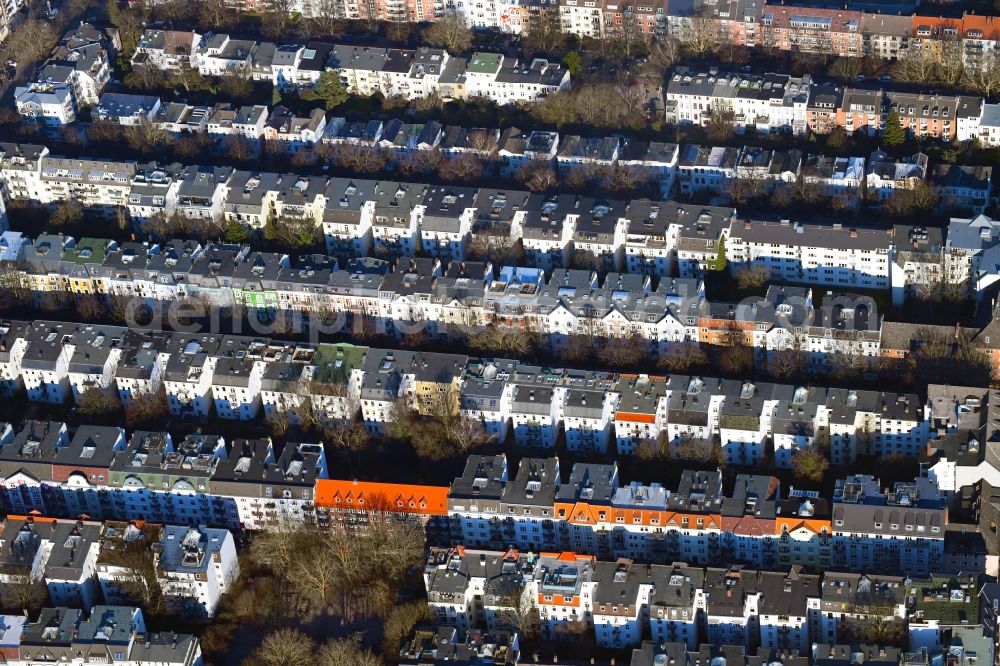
(35, 515)
(638, 418)
(567, 556)
(709, 520)
(985, 24)
(936, 24)
(814, 525)
(402, 497)
(558, 600)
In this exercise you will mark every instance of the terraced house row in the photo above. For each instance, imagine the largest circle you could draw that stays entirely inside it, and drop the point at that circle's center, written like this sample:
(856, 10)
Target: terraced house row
(886, 30)
(93, 636)
(392, 218)
(199, 480)
(243, 378)
(777, 102)
(246, 484)
(860, 528)
(403, 73)
(82, 562)
(620, 602)
(62, 90)
(420, 294)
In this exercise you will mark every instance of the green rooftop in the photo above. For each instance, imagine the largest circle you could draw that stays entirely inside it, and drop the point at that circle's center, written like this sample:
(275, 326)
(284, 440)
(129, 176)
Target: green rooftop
(950, 601)
(334, 362)
(484, 63)
(86, 251)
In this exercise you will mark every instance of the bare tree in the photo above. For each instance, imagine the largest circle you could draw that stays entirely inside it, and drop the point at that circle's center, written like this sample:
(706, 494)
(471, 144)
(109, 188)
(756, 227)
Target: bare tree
(135, 579)
(752, 277)
(626, 353)
(324, 567)
(30, 40)
(736, 356)
(21, 591)
(872, 616)
(237, 86)
(286, 647)
(463, 168)
(450, 33)
(236, 149)
(345, 652)
(98, 401)
(361, 159)
(14, 288)
(846, 69)
(217, 15)
(68, 213)
(401, 622)
(438, 430)
(810, 463)
(516, 610)
(277, 546)
(627, 36)
(785, 363)
(328, 19)
(419, 162)
(147, 407)
(277, 17)
(483, 142)
(682, 357)
(503, 340)
(663, 53)
(543, 33)
(747, 185)
(702, 34)
(721, 125)
(537, 176)
(496, 247)
(352, 438)
(984, 76)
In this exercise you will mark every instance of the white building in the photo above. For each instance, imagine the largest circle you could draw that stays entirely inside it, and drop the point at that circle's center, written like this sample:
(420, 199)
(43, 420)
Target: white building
(167, 50)
(812, 254)
(46, 104)
(195, 567)
(124, 109)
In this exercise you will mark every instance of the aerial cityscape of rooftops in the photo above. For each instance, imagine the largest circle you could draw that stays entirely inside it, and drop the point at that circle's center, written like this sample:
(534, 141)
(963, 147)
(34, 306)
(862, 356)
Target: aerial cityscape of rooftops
(499, 332)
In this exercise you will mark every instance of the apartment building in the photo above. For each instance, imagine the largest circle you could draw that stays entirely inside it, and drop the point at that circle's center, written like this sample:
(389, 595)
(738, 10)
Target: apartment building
(885, 175)
(267, 486)
(706, 168)
(964, 188)
(771, 102)
(839, 178)
(788, 611)
(811, 30)
(924, 115)
(569, 303)
(125, 109)
(365, 70)
(91, 636)
(61, 554)
(168, 50)
(968, 255)
(813, 254)
(204, 480)
(862, 110)
(195, 567)
(443, 645)
(46, 104)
